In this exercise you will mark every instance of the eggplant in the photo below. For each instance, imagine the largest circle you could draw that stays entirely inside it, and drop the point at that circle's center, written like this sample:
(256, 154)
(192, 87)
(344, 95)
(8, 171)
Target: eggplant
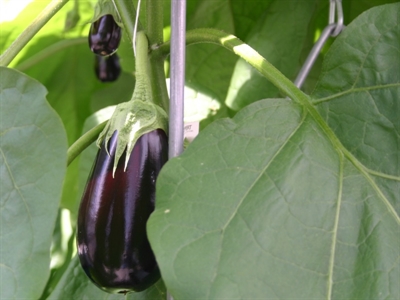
(113, 247)
(107, 69)
(104, 36)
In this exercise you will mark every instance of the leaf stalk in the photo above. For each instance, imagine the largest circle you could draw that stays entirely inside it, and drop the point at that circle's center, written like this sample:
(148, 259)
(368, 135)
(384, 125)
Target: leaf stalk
(84, 141)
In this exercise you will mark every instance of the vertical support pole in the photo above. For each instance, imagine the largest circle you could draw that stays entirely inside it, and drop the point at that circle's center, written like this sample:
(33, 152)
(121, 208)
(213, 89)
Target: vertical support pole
(177, 80)
(177, 83)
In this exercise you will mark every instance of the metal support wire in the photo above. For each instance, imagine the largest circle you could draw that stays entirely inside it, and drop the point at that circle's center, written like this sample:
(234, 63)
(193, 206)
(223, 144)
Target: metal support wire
(177, 82)
(305, 69)
(334, 27)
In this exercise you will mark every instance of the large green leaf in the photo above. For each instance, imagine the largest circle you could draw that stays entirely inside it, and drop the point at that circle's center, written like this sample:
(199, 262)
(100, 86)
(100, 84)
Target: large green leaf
(33, 148)
(358, 92)
(274, 204)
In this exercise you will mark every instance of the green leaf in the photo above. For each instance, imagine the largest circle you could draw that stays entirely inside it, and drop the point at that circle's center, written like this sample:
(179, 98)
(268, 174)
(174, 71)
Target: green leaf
(353, 8)
(357, 93)
(106, 7)
(209, 68)
(33, 148)
(279, 41)
(76, 285)
(273, 205)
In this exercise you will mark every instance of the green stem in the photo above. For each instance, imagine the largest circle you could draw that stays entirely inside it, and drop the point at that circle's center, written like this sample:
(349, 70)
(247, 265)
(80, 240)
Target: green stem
(30, 31)
(143, 82)
(155, 21)
(84, 141)
(146, 74)
(51, 50)
(159, 86)
(154, 31)
(127, 11)
(232, 43)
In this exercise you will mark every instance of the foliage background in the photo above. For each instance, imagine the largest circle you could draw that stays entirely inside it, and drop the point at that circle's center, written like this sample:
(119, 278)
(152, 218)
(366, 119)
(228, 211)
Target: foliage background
(220, 85)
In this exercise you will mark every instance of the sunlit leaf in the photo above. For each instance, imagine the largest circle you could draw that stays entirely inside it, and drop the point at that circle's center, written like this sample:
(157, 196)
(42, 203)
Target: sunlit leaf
(33, 149)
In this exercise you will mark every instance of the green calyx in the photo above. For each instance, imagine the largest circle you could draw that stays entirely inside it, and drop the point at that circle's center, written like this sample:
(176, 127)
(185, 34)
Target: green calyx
(106, 7)
(138, 116)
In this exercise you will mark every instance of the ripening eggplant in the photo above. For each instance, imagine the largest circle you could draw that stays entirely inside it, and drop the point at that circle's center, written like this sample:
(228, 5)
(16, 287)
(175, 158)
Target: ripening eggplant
(107, 69)
(104, 36)
(111, 234)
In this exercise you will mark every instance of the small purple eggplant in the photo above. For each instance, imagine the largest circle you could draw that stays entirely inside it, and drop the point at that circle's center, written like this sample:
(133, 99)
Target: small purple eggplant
(104, 36)
(107, 69)
(113, 247)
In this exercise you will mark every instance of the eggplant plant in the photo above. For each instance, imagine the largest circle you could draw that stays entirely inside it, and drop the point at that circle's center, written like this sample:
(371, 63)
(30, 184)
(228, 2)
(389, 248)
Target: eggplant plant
(286, 192)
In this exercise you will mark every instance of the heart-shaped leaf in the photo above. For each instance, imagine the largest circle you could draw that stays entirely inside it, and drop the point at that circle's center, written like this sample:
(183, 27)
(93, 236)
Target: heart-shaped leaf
(283, 202)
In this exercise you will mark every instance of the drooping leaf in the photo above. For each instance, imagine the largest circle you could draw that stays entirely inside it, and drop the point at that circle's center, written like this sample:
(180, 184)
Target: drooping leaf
(33, 149)
(274, 204)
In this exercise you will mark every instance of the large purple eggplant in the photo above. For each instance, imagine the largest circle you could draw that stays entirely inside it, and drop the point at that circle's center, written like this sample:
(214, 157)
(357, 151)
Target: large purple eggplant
(112, 242)
(104, 36)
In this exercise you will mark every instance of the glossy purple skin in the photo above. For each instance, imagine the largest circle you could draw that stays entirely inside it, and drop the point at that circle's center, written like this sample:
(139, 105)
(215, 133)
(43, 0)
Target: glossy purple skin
(111, 233)
(104, 36)
(107, 69)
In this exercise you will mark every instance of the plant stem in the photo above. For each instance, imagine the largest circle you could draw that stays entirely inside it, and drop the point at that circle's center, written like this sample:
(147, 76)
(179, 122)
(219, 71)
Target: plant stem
(127, 11)
(30, 31)
(154, 31)
(155, 21)
(159, 86)
(84, 141)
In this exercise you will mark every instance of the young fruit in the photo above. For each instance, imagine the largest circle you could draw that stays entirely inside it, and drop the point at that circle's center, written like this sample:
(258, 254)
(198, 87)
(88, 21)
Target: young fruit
(111, 234)
(107, 69)
(104, 36)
